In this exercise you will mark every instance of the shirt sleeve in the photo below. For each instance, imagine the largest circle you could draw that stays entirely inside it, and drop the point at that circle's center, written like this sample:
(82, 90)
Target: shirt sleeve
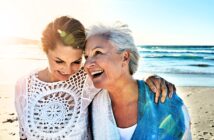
(20, 104)
(89, 92)
(187, 135)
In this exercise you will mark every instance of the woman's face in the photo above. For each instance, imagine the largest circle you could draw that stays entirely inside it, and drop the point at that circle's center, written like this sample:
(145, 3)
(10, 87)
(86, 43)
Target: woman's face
(103, 63)
(63, 62)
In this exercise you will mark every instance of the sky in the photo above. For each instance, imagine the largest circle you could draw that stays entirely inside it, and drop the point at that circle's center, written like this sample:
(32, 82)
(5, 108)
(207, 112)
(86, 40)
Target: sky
(153, 22)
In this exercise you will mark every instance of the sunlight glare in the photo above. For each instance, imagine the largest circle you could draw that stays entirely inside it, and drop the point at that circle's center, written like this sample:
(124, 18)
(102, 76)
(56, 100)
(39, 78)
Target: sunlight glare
(8, 26)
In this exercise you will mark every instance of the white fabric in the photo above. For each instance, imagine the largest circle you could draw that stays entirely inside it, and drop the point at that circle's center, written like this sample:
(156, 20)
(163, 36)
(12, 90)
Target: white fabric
(187, 134)
(126, 133)
(54, 111)
(103, 122)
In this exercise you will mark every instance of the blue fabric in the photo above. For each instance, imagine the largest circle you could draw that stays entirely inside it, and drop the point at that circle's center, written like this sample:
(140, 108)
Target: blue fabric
(158, 121)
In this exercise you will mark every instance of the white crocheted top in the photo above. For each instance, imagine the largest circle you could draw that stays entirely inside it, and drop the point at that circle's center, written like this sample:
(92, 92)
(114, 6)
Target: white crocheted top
(54, 111)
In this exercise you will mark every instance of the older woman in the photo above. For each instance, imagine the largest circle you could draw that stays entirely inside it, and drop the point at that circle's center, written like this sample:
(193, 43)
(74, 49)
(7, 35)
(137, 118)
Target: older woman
(125, 109)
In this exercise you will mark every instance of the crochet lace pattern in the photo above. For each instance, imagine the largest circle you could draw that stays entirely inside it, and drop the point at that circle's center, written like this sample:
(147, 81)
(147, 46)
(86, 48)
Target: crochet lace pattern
(55, 110)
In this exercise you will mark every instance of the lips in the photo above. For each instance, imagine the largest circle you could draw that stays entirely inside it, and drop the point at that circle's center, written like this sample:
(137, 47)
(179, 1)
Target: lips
(96, 74)
(63, 75)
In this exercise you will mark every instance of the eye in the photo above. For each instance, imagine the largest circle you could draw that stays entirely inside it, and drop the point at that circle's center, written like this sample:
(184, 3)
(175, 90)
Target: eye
(59, 61)
(97, 52)
(78, 61)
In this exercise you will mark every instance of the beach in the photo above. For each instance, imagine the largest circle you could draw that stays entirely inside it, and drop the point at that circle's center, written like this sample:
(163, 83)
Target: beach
(8, 117)
(193, 77)
(199, 101)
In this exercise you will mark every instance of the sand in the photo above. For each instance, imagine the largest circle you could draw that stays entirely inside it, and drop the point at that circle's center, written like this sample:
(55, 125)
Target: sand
(8, 117)
(199, 101)
(200, 104)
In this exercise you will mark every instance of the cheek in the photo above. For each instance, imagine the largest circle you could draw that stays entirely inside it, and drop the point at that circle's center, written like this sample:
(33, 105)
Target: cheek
(76, 67)
(53, 66)
(113, 68)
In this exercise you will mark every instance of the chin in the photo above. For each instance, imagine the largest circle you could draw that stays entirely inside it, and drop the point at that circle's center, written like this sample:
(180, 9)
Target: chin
(65, 78)
(61, 78)
(98, 85)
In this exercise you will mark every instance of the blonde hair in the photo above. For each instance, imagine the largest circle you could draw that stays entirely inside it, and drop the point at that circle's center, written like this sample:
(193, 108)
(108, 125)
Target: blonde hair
(65, 30)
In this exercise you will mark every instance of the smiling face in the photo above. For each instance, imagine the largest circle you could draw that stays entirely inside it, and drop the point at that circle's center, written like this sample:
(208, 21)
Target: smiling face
(104, 64)
(63, 62)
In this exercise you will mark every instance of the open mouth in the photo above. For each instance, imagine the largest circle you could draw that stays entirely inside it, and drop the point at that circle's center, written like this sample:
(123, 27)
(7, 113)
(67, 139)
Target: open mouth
(96, 74)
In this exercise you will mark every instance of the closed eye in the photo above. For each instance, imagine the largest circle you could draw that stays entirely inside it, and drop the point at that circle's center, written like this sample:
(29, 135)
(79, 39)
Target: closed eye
(78, 61)
(59, 61)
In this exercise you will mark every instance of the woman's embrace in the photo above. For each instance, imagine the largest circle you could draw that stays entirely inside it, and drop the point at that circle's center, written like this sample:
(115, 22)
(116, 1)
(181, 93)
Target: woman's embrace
(52, 103)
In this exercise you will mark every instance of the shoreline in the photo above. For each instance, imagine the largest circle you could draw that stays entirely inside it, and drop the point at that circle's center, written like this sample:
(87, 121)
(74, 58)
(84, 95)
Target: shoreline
(182, 80)
(198, 99)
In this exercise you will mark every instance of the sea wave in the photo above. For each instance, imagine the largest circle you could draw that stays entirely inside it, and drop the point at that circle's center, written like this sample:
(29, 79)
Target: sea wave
(177, 51)
(180, 49)
(175, 56)
(178, 71)
(209, 58)
(201, 65)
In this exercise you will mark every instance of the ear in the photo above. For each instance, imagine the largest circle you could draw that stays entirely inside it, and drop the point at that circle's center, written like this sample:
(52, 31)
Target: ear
(126, 56)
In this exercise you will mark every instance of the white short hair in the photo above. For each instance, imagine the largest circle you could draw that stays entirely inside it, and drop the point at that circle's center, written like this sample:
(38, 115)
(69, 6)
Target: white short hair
(120, 35)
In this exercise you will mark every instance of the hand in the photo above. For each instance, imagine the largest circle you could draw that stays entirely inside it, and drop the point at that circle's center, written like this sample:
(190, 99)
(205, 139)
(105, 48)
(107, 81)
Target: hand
(160, 87)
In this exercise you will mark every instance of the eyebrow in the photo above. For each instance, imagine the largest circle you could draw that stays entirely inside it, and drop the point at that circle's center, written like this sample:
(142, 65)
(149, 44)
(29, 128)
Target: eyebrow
(59, 58)
(71, 62)
(97, 47)
(77, 60)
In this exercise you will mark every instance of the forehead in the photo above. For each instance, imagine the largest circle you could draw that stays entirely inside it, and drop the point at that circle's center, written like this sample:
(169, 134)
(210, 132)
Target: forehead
(65, 52)
(98, 42)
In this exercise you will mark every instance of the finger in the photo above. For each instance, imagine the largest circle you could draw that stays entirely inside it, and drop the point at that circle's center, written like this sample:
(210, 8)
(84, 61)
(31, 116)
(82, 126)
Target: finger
(164, 91)
(151, 85)
(170, 89)
(158, 90)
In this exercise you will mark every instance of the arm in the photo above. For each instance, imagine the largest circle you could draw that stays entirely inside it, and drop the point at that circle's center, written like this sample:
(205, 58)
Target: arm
(20, 103)
(160, 87)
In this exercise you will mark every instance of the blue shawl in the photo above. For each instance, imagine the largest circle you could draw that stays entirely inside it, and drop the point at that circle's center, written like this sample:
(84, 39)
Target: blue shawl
(155, 121)
(158, 121)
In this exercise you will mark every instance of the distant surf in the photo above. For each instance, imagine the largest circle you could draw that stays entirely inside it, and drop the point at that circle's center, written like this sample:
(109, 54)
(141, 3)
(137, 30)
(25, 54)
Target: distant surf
(196, 62)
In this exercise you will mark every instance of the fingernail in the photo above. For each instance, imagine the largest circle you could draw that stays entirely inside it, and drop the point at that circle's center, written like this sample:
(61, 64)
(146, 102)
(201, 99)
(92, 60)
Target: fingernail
(154, 89)
(156, 100)
(162, 100)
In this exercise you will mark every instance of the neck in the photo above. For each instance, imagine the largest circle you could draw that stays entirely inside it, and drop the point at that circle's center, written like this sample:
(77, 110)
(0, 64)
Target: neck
(124, 92)
(124, 101)
(46, 76)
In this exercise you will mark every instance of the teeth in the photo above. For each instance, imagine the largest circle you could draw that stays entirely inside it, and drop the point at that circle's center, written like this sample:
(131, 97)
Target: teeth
(96, 72)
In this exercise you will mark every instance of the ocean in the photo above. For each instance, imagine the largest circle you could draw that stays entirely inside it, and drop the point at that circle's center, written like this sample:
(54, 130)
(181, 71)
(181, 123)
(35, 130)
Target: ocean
(181, 65)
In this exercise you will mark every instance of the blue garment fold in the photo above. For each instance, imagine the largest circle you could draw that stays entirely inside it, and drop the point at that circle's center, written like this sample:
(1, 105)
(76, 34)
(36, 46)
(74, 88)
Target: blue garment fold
(158, 121)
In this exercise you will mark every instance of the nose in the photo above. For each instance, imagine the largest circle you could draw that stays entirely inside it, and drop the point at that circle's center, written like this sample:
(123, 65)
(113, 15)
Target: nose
(89, 63)
(67, 70)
